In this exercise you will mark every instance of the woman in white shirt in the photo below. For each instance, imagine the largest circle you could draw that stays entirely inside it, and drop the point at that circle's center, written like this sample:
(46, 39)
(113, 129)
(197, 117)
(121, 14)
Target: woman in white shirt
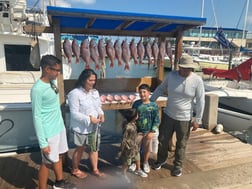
(86, 117)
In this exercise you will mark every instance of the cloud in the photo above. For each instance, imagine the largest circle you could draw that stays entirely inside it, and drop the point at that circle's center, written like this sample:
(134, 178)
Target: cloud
(85, 1)
(69, 3)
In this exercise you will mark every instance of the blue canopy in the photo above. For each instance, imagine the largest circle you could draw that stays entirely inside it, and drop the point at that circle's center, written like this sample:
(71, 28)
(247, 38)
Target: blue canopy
(97, 22)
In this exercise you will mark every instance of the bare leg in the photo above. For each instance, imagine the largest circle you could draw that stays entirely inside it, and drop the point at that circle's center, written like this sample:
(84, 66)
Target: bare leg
(58, 170)
(138, 165)
(43, 176)
(77, 157)
(124, 168)
(93, 156)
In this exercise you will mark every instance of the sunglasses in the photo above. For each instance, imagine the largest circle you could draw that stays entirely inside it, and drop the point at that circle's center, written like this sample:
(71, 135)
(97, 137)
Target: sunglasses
(54, 87)
(54, 69)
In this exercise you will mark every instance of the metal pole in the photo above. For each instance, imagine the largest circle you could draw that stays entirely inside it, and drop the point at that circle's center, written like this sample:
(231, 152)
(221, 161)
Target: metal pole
(245, 22)
(202, 14)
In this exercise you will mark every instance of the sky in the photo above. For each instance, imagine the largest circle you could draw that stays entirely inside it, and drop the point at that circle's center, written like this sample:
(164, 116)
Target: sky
(219, 13)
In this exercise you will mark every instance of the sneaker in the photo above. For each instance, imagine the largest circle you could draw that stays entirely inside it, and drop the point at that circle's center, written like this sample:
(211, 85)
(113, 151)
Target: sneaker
(158, 165)
(177, 172)
(140, 173)
(132, 167)
(126, 178)
(63, 184)
(146, 167)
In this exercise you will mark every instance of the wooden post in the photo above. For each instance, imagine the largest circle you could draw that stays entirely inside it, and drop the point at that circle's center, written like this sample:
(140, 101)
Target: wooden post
(57, 46)
(178, 49)
(209, 120)
(60, 80)
(160, 67)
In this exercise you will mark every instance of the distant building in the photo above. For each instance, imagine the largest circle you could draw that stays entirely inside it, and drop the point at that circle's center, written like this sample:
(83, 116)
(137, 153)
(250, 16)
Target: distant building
(237, 38)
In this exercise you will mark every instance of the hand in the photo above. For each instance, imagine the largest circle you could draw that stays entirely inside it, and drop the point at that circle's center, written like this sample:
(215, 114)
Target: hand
(46, 150)
(150, 135)
(94, 120)
(195, 126)
(101, 118)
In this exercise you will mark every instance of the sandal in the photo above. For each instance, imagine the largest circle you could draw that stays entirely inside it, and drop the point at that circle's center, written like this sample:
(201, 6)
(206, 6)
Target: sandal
(99, 174)
(79, 174)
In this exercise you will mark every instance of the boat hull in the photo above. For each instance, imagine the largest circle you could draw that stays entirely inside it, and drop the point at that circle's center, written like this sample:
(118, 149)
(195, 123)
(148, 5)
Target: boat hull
(234, 121)
(16, 127)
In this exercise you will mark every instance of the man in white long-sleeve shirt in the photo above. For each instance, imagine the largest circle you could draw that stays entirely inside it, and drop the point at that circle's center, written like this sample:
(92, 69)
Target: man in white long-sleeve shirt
(183, 87)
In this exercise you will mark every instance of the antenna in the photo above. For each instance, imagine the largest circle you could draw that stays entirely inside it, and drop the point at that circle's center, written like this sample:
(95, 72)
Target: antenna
(245, 21)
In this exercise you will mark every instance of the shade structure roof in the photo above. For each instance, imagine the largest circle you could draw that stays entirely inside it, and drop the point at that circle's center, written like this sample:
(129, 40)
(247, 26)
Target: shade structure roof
(97, 22)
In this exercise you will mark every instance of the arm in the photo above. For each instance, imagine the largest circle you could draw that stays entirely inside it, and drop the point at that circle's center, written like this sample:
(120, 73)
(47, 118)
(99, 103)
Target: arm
(100, 111)
(160, 90)
(36, 101)
(200, 104)
(156, 120)
(74, 106)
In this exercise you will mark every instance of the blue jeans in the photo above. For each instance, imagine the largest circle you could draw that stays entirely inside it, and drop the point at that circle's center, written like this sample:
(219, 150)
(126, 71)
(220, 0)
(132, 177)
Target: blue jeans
(166, 129)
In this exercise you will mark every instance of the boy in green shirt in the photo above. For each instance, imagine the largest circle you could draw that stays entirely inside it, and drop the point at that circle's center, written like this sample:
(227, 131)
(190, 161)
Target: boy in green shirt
(147, 123)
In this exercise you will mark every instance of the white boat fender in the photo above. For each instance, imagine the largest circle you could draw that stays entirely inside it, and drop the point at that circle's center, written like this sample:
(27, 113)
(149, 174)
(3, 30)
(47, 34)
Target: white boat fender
(219, 128)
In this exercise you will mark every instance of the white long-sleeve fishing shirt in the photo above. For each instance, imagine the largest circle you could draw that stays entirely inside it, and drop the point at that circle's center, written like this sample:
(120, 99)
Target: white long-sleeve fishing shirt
(82, 104)
(182, 91)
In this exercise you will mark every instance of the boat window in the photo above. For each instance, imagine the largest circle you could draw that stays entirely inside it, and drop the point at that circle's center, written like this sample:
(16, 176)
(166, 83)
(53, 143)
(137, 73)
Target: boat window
(4, 6)
(17, 58)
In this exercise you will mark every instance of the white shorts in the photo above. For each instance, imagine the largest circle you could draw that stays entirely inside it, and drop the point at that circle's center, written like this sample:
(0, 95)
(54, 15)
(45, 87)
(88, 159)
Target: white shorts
(58, 145)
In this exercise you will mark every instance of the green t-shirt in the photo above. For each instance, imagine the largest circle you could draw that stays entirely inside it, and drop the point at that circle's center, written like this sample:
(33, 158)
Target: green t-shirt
(148, 118)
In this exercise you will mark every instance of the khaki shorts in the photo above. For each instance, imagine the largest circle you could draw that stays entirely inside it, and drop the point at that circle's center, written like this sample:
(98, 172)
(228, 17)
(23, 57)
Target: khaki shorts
(144, 143)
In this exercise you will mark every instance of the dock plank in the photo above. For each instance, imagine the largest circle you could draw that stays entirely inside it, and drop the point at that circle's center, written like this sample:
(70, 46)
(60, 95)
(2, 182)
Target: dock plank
(205, 152)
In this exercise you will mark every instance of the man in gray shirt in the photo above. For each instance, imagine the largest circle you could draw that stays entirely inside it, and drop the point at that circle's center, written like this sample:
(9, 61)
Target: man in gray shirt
(184, 88)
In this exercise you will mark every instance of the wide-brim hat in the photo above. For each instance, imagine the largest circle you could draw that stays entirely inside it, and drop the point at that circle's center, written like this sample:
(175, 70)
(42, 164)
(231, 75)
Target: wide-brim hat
(186, 61)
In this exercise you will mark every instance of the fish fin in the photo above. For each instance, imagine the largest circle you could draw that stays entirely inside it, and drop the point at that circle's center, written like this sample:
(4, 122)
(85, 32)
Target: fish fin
(87, 66)
(97, 66)
(126, 67)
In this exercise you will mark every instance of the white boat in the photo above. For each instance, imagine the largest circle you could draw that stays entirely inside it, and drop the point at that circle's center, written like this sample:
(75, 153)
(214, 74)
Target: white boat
(235, 102)
(17, 74)
(235, 96)
(212, 61)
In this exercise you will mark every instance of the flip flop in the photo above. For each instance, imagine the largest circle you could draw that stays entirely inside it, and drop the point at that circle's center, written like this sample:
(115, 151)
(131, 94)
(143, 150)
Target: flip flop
(99, 174)
(79, 174)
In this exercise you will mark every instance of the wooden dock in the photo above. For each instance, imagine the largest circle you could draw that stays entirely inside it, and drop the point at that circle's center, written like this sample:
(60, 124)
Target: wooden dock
(207, 153)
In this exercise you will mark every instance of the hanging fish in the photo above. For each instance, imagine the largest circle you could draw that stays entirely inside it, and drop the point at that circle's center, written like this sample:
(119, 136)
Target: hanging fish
(110, 52)
(169, 50)
(161, 52)
(140, 51)
(118, 52)
(85, 52)
(155, 51)
(125, 54)
(67, 48)
(101, 51)
(76, 50)
(133, 51)
(148, 52)
(94, 53)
